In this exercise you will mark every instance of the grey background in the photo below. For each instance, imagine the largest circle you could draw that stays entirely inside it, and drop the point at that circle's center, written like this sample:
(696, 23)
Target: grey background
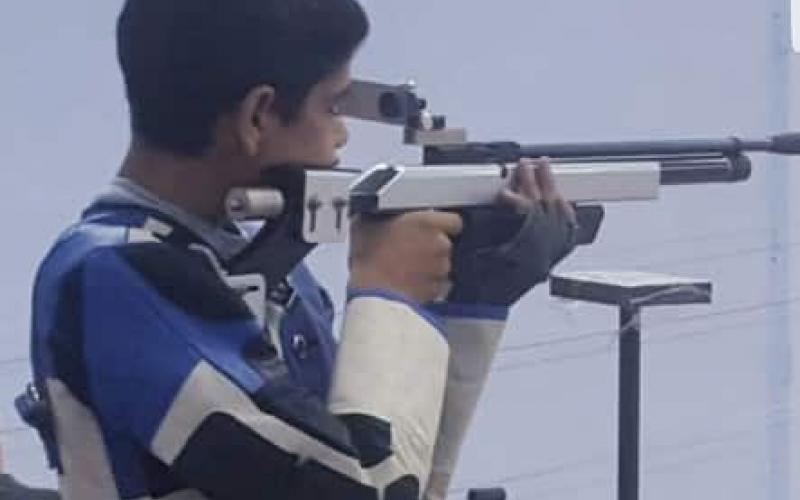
(718, 404)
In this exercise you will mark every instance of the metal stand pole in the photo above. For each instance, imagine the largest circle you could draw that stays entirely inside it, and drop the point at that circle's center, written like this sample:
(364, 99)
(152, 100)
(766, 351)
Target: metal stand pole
(630, 292)
(629, 394)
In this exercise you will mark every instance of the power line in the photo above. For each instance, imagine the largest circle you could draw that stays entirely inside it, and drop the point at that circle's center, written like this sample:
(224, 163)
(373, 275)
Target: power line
(607, 349)
(790, 247)
(732, 311)
(721, 235)
(773, 417)
(12, 361)
(15, 430)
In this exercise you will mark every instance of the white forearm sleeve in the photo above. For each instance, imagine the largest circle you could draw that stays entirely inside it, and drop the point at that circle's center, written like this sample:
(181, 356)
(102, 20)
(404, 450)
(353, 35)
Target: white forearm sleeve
(392, 364)
(473, 344)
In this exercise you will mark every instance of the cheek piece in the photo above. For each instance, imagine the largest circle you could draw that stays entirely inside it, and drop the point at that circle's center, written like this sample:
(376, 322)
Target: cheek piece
(278, 246)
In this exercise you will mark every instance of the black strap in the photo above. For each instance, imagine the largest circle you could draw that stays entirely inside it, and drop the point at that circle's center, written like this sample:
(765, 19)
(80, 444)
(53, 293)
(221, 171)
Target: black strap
(34, 409)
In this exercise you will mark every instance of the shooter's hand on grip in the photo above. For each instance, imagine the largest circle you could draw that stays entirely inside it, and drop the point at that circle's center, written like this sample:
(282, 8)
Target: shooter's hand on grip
(408, 254)
(505, 251)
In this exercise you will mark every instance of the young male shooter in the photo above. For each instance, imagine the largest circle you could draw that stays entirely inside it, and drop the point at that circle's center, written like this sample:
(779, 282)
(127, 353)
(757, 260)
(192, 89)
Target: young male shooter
(162, 378)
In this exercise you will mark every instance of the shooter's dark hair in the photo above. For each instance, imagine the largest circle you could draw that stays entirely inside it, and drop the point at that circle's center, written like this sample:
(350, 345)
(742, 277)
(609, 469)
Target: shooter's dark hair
(186, 62)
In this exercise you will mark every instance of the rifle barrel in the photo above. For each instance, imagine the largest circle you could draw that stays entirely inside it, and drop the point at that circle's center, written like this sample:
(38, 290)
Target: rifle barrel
(680, 149)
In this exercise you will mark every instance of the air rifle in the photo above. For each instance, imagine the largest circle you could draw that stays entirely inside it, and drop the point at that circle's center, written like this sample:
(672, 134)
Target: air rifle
(455, 173)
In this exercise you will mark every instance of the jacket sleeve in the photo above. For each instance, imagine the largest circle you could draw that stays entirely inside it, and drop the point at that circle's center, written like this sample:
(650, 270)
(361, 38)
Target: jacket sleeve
(474, 332)
(228, 433)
